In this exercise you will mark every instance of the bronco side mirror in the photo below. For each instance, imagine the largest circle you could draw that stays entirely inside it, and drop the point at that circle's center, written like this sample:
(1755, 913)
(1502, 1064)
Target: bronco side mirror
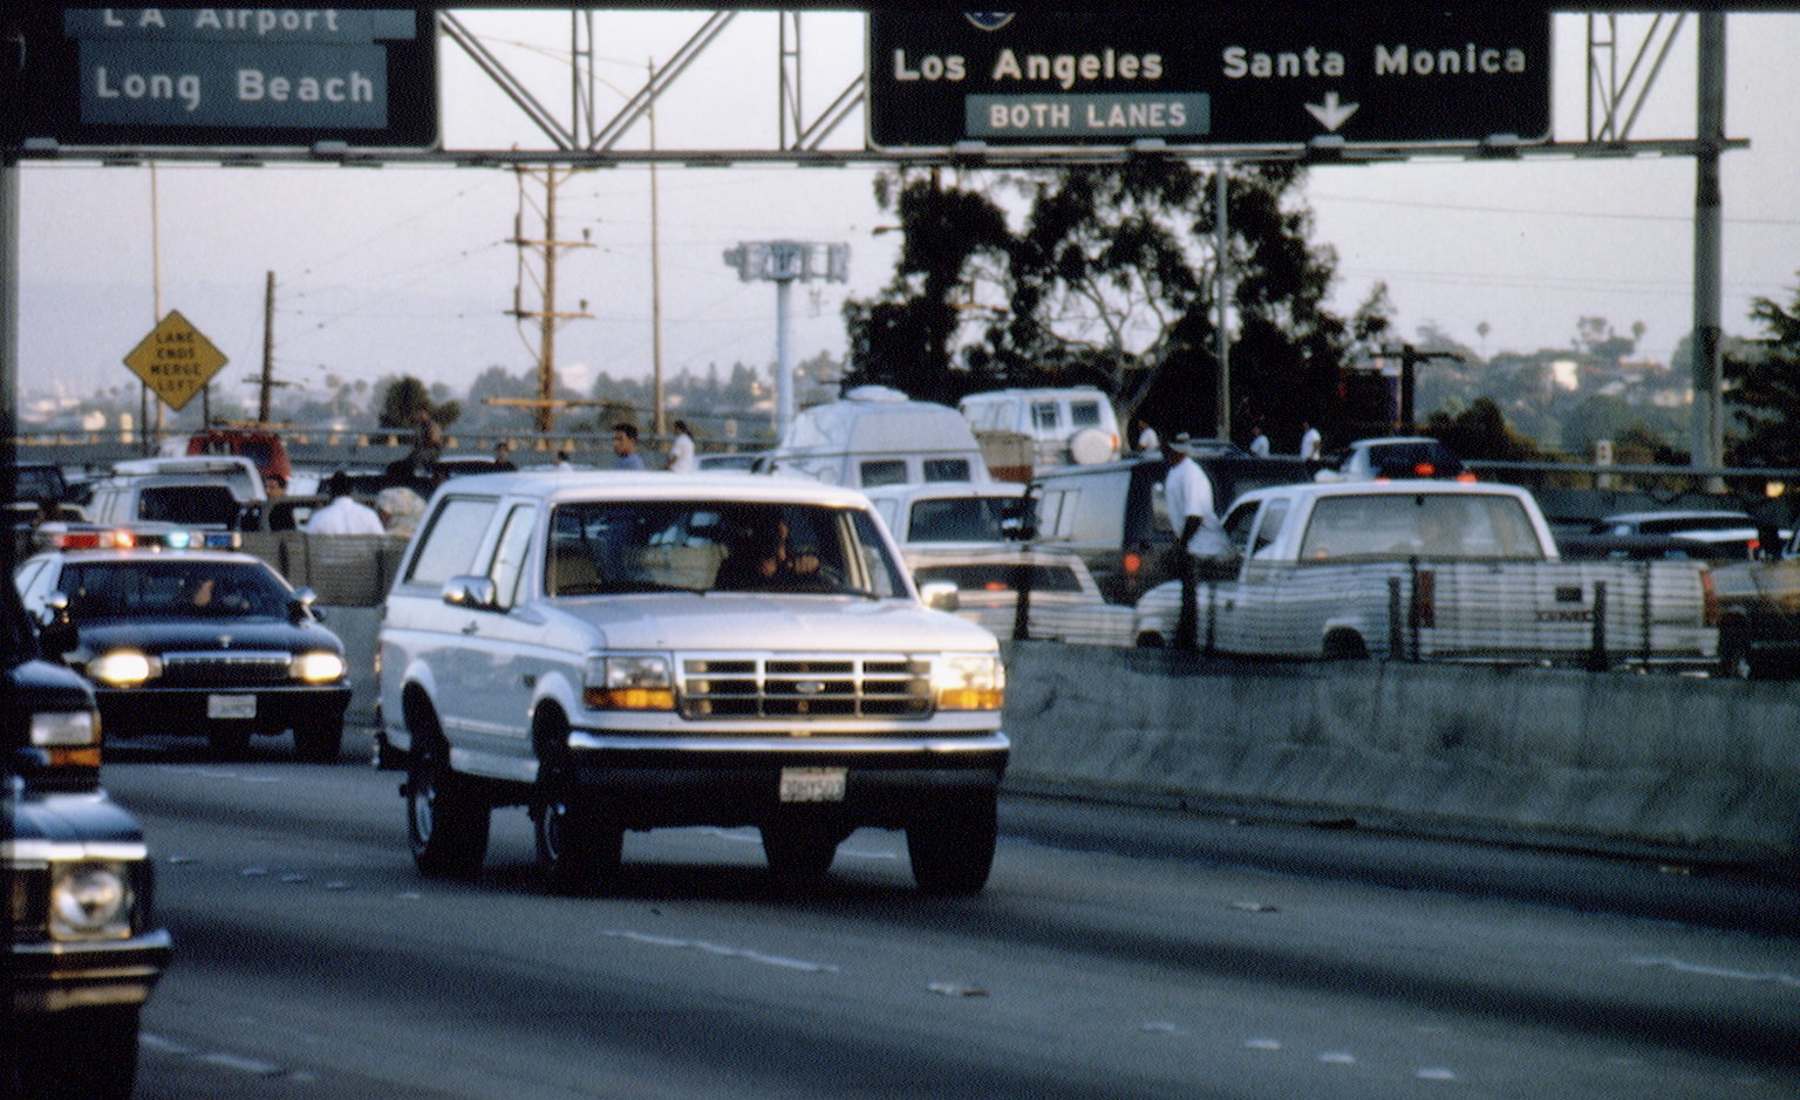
(472, 593)
(940, 595)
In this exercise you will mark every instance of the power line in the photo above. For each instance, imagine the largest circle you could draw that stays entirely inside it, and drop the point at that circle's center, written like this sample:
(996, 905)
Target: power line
(1604, 215)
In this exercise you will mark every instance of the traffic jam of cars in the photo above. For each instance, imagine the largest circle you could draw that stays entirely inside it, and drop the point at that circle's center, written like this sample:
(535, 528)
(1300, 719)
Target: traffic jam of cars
(806, 647)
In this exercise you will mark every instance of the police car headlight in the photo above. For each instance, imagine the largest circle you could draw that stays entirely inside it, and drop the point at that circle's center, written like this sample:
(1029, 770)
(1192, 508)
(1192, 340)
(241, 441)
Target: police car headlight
(90, 901)
(318, 668)
(970, 682)
(628, 683)
(123, 668)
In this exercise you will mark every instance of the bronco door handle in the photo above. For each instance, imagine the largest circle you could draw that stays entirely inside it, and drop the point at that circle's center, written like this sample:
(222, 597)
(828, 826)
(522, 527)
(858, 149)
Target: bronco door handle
(471, 627)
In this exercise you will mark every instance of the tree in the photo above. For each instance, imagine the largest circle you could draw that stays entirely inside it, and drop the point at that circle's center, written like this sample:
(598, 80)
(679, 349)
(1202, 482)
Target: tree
(402, 399)
(1762, 388)
(1481, 431)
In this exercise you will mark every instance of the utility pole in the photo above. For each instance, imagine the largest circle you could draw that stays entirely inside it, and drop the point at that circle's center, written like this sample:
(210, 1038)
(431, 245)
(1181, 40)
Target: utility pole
(544, 406)
(656, 349)
(268, 363)
(1708, 414)
(149, 444)
(1411, 359)
(1222, 335)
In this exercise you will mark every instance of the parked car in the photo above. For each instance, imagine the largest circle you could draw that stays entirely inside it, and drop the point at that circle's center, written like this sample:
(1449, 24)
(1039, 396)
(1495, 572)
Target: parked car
(1720, 535)
(950, 515)
(83, 951)
(1064, 604)
(1400, 456)
(180, 634)
(878, 436)
(1068, 425)
(220, 491)
(1433, 569)
(1113, 513)
(264, 449)
(633, 650)
(722, 461)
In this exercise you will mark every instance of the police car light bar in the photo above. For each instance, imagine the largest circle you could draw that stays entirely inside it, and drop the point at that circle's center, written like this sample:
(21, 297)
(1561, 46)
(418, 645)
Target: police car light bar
(76, 536)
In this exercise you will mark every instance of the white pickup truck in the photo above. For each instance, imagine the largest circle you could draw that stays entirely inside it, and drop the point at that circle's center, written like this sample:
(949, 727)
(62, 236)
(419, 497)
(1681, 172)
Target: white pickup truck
(1432, 570)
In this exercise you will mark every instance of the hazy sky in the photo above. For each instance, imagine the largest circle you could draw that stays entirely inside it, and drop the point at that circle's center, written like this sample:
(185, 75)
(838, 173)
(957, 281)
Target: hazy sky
(408, 269)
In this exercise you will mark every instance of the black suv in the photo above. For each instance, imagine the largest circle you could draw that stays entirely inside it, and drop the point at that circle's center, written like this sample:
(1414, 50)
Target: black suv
(82, 949)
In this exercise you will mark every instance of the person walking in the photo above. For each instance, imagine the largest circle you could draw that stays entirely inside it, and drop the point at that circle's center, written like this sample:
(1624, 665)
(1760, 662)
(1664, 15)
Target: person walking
(1259, 446)
(503, 455)
(681, 451)
(625, 443)
(1201, 547)
(343, 516)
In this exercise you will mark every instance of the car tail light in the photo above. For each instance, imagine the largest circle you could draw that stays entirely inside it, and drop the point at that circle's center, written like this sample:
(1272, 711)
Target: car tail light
(1424, 469)
(1709, 599)
(1467, 477)
(1132, 562)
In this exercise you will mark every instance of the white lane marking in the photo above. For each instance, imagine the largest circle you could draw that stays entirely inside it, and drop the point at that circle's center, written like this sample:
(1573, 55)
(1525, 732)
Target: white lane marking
(1263, 1044)
(218, 773)
(179, 860)
(158, 1043)
(254, 872)
(294, 878)
(723, 951)
(1435, 1073)
(1338, 1058)
(1771, 976)
(337, 884)
(242, 1064)
(751, 836)
(1158, 1027)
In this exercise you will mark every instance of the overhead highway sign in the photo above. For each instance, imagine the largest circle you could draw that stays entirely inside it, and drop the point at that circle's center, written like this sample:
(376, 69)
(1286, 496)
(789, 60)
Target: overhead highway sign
(1201, 77)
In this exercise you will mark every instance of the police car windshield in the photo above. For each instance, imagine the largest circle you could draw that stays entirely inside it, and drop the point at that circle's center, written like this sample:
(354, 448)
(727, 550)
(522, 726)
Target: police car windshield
(178, 589)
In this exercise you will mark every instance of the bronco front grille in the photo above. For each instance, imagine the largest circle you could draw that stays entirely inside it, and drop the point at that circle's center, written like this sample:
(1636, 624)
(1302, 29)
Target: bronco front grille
(223, 668)
(806, 687)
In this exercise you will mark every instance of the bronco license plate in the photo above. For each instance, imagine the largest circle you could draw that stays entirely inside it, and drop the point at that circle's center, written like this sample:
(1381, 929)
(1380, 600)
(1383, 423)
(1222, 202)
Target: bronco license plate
(813, 784)
(231, 706)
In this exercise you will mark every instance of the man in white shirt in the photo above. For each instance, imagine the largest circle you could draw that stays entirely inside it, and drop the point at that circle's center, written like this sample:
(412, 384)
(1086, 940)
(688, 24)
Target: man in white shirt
(681, 451)
(1146, 438)
(343, 516)
(1311, 442)
(1259, 446)
(1200, 539)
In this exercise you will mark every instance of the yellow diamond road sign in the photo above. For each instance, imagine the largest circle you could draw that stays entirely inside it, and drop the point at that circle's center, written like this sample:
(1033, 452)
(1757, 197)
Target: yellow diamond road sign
(176, 360)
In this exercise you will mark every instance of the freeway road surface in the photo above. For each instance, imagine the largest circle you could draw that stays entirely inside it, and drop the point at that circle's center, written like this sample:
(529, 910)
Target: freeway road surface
(1115, 953)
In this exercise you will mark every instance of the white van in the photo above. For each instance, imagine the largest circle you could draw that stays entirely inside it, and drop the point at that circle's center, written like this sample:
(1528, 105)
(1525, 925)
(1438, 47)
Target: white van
(1072, 425)
(879, 436)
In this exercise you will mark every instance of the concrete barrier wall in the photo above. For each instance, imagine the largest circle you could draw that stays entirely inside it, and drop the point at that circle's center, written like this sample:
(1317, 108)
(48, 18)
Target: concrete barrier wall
(1616, 757)
(1656, 759)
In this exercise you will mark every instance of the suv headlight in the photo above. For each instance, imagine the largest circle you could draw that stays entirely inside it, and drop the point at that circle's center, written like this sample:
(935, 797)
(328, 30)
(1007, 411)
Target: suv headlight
(72, 737)
(970, 682)
(124, 668)
(90, 901)
(317, 668)
(628, 683)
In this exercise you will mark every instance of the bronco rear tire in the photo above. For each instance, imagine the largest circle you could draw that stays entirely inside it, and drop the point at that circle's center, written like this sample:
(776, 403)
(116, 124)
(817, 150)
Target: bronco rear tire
(953, 851)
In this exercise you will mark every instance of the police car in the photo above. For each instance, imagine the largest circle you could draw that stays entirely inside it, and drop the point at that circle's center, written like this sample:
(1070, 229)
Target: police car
(180, 632)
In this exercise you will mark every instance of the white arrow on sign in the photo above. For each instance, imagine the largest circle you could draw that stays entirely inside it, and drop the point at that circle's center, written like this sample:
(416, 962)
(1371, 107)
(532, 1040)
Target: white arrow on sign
(1331, 114)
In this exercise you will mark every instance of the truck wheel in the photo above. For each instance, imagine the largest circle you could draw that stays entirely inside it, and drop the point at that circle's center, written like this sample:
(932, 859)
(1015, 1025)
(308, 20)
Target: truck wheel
(446, 819)
(319, 742)
(799, 852)
(86, 1053)
(953, 851)
(578, 850)
(1734, 656)
(1345, 645)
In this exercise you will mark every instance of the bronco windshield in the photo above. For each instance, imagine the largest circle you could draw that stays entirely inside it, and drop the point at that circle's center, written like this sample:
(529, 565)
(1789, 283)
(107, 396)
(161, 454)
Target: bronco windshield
(607, 547)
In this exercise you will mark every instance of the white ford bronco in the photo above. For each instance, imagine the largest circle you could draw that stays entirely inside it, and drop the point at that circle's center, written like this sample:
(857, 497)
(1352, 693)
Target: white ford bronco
(631, 650)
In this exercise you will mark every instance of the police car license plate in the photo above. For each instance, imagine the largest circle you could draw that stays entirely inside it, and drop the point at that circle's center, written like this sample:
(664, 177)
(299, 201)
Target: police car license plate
(231, 706)
(813, 784)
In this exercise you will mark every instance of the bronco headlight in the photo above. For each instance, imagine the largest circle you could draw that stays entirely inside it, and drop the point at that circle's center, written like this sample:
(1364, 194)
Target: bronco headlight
(90, 901)
(72, 737)
(124, 668)
(970, 682)
(628, 683)
(317, 668)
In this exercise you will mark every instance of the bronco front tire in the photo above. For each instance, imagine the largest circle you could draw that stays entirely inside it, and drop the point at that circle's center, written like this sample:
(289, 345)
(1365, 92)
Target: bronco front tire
(953, 850)
(446, 818)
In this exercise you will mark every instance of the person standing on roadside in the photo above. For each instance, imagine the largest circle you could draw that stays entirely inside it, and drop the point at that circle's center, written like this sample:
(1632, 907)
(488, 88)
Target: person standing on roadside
(1146, 439)
(343, 516)
(1201, 547)
(625, 442)
(1259, 445)
(1312, 444)
(681, 451)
